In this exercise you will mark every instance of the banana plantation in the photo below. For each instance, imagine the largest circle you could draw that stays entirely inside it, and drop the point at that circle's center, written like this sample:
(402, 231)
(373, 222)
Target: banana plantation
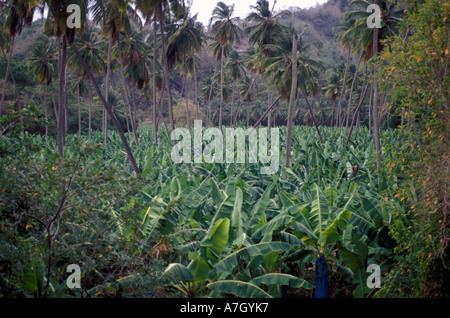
(95, 203)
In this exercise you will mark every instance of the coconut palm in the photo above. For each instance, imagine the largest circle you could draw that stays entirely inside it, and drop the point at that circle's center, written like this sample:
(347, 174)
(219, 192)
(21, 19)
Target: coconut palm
(156, 9)
(43, 63)
(225, 30)
(20, 14)
(265, 25)
(56, 24)
(181, 48)
(57, 8)
(370, 41)
(332, 89)
(88, 46)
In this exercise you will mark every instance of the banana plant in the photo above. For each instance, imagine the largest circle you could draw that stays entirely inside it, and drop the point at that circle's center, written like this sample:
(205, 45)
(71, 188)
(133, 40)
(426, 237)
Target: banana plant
(322, 227)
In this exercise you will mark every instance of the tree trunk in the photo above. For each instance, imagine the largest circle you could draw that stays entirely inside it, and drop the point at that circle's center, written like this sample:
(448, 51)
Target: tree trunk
(196, 87)
(187, 100)
(66, 106)
(79, 109)
(221, 88)
(8, 65)
(61, 112)
(90, 113)
(356, 113)
(166, 66)
(269, 116)
(338, 117)
(155, 122)
(108, 74)
(376, 134)
(126, 93)
(110, 112)
(313, 119)
(45, 109)
(54, 107)
(292, 101)
(347, 117)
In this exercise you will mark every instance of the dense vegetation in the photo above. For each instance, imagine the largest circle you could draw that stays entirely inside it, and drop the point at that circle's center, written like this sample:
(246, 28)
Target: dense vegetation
(87, 176)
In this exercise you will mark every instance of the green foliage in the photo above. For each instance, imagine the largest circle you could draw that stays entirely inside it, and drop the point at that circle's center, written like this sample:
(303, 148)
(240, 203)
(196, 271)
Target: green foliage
(417, 165)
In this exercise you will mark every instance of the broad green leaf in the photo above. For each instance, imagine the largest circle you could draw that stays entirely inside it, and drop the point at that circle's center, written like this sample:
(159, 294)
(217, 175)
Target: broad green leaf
(238, 288)
(281, 280)
(199, 269)
(178, 272)
(319, 211)
(217, 195)
(217, 237)
(236, 215)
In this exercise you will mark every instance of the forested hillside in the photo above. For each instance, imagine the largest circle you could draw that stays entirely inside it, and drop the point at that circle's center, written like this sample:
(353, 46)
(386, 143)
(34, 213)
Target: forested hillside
(348, 110)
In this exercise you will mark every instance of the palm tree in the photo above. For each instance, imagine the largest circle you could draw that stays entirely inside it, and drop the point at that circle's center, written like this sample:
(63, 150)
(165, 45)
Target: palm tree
(43, 63)
(370, 41)
(20, 14)
(265, 25)
(156, 9)
(132, 51)
(278, 66)
(332, 89)
(56, 23)
(89, 49)
(226, 31)
(181, 48)
(57, 8)
(235, 68)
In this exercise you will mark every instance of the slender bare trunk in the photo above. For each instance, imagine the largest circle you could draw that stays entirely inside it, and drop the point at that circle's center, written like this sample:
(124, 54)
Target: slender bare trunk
(166, 66)
(187, 101)
(292, 101)
(197, 109)
(90, 113)
(108, 74)
(338, 117)
(45, 109)
(61, 112)
(79, 109)
(347, 117)
(109, 110)
(361, 100)
(376, 127)
(66, 106)
(155, 122)
(221, 88)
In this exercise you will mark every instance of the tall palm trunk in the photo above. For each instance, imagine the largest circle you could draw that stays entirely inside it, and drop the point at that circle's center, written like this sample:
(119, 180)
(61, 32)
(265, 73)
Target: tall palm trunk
(8, 65)
(155, 122)
(66, 110)
(45, 109)
(338, 117)
(221, 88)
(108, 74)
(166, 66)
(109, 110)
(61, 111)
(79, 109)
(126, 93)
(347, 117)
(375, 113)
(90, 112)
(313, 119)
(187, 100)
(363, 95)
(196, 87)
(292, 101)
